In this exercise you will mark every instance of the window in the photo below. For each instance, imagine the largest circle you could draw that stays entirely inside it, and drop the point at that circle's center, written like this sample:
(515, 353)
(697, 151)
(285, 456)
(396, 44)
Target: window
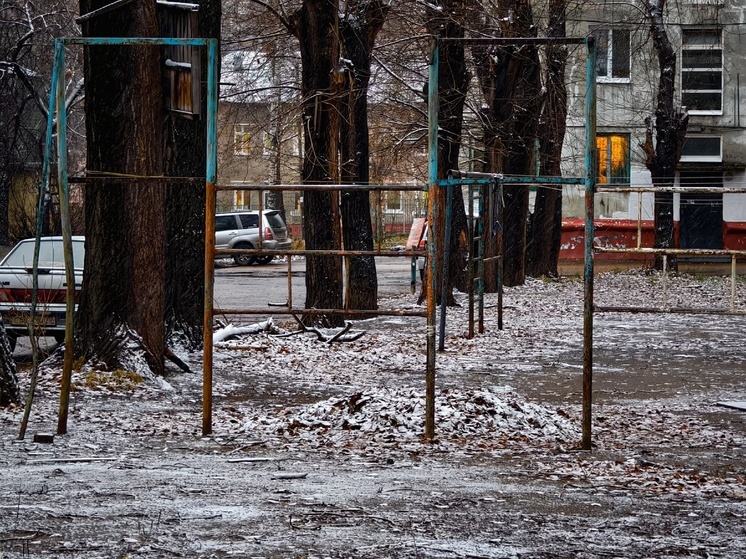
(613, 159)
(393, 200)
(241, 139)
(612, 55)
(702, 149)
(225, 223)
(702, 71)
(249, 221)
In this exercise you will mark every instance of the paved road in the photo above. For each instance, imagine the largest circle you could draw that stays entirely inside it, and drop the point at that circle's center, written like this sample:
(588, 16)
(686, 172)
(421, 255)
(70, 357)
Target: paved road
(261, 285)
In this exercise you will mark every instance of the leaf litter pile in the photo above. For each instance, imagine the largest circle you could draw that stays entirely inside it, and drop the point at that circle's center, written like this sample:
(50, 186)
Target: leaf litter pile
(508, 427)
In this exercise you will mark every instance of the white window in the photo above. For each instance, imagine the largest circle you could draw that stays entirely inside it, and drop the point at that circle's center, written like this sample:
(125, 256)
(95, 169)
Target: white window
(612, 55)
(241, 139)
(702, 71)
(702, 149)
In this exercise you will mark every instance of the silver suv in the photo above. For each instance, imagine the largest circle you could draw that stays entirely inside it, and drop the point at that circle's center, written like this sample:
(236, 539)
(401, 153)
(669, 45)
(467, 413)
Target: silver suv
(240, 230)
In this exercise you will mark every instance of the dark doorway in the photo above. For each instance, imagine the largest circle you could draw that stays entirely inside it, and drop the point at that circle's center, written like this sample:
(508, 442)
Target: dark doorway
(701, 215)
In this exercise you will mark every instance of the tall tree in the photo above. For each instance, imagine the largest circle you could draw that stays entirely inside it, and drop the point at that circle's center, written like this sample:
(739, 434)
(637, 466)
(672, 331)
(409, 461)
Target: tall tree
(446, 20)
(316, 25)
(185, 154)
(359, 26)
(545, 230)
(509, 77)
(123, 300)
(670, 126)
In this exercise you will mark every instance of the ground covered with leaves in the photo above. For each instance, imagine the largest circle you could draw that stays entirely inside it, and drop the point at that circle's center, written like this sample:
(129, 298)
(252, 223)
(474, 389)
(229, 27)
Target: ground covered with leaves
(317, 448)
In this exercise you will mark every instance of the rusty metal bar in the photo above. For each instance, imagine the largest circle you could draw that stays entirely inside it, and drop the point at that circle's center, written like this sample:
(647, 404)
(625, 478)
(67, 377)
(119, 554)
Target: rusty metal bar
(210, 206)
(320, 252)
(684, 189)
(733, 283)
(446, 263)
(318, 186)
(432, 215)
(669, 310)
(674, 251)
(316, 312)
(67, 244)
(470, 262)
(500, 254)
(590, 188)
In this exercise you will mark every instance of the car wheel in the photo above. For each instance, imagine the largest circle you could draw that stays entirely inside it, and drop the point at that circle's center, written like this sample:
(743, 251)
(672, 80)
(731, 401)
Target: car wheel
(59, 337)
(264, 259)
(243, 259)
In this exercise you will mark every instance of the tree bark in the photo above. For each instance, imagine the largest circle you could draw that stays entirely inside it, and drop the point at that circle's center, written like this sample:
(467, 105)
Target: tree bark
(510, 81)
(316, 25)
(453, 81)
(9, 393)
(123, 287)
(185, 156)
(358, 30)
(545, 231)
(670, 130)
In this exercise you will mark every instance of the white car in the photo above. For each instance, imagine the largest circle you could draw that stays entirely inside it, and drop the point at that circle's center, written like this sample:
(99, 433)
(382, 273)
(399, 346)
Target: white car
(240, 230)
(17, 282)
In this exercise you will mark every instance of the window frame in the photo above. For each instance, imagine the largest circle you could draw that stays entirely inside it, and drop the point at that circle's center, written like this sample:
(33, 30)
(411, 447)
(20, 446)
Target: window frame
(610, 32)
(242, 143)
(703, 158)
(628, 160)
(683, 70)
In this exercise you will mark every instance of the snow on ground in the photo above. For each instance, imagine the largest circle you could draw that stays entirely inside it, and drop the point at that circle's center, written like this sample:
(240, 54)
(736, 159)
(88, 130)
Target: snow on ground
(317, 446)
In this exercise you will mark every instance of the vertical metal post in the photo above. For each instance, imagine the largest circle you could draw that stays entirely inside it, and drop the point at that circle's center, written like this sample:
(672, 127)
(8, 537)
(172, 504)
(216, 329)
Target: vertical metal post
(485, 217)
(732, 282)
(210, 197)
(40, 211)
(67, 244)
(590, 188)
(432, 213)
(470, 261)
(446, 263)
(500, 252)
(664, 280)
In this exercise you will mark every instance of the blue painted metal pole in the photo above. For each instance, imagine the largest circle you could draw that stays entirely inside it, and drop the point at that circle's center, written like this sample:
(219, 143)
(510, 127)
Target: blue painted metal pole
(590, 187)
(43, 189)
(67, 244)
(446, 263)
(122, 41)
(210, 203)
(432, 212)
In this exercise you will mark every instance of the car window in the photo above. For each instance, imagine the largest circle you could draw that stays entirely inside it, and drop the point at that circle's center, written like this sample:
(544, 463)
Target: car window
(275, 221)
(51, 254)
(249, 221)
(225, 222)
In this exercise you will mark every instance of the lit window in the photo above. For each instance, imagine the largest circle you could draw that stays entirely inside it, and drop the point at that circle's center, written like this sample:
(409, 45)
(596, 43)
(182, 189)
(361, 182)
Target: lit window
(613, 159)
(612, 55)
(702, 149)
(241, 139)
(702, 71)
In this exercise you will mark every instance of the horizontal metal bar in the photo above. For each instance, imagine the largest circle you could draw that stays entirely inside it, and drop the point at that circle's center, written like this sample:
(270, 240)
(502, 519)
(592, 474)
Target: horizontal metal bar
(341, 312)
(673, 251)
(515, 40)
(679, 189)
(130, 179)
(527, 181)
(330, 252)
(659, 310)
(120, 41)
(323, 186)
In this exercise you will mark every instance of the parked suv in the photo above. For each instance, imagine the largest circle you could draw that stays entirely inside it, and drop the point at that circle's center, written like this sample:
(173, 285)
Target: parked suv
(240, 230)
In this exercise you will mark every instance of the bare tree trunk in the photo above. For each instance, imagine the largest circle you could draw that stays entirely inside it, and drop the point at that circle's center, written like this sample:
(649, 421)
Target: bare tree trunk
(510, 81)
(545, 232)
(315, 25)
(358, 30)
(670, 130)
(123, 288)
(453, 80)
(185, 156)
